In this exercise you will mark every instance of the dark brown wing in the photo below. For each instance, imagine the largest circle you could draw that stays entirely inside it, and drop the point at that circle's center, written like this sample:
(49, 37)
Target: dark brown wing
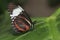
(21, 24)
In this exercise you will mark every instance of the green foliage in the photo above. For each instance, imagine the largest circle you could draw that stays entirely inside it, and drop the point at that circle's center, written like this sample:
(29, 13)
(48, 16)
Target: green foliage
(3, 6)
(1, 11)
(45, 29)
(58, 22)
(58, 26)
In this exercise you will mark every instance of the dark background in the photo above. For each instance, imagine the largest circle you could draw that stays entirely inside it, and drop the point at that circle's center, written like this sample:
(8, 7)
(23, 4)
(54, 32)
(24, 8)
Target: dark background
(41, 8)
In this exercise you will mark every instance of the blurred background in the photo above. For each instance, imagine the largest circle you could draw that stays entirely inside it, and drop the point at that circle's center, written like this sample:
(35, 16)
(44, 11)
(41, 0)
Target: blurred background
(35, 8)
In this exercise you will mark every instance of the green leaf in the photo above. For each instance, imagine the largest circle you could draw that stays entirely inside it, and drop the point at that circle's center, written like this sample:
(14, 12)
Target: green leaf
(45, 29)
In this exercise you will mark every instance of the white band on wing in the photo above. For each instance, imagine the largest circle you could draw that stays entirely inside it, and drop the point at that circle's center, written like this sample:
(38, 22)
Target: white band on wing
(16, 12)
